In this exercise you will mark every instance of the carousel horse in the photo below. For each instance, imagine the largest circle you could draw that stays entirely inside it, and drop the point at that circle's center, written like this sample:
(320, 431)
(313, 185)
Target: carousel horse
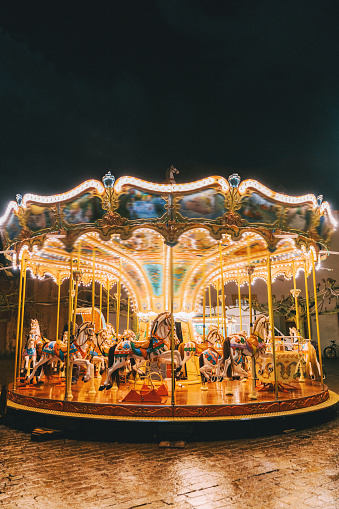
(157, 347)
(253, 345)
(54, 351)
(309, 357)
(29, 354)
(221, 362)
(241, 346)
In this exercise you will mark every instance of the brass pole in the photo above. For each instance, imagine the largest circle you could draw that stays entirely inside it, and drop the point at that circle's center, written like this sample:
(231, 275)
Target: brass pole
(100, 320)
(118, 300)
(239, 300)
(107, 290)
(17, 365)
(249, 287)
(93, 286)
(58, 308)
(222, 292)
(172, 325)
(209, 295)
(307, 303)
(68, 392)
(296, 300)
(271, 316)
(218, 313)
(317, 319)
(76, 289)
(22, 311)
(203, 304)
(127, 312)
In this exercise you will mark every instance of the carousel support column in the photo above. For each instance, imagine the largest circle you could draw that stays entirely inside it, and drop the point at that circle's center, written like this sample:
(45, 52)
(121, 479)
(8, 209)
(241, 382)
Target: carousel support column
(228, 389)
(23, 309)
(107, 290)
(17, 363)
(218, 313)
(118, 300)
(307, 304)
(93, 286)
(317, 319)
(270, 310)
(253, 394)
(68, 391)
(204, 304)
(127, 327)
(58, 307)
(76, 279)
(100, 305)
(295, 293)
(210, 302)
(172, 325)
(239, 301)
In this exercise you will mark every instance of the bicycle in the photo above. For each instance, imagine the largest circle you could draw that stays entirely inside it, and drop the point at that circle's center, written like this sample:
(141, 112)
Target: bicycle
(330, 352)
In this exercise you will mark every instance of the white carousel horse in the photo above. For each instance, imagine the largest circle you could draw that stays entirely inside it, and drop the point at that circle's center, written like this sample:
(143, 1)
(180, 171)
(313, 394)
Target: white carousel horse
(55, 351)
(157, 347)
(221, 362)
(241, 346)
(309, 357)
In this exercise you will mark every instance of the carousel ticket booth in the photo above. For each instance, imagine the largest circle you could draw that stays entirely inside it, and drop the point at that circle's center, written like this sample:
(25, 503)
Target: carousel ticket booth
(169, 250)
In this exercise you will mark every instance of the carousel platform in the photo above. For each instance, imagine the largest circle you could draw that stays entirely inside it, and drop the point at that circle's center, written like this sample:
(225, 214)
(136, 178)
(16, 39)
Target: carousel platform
(200, 414)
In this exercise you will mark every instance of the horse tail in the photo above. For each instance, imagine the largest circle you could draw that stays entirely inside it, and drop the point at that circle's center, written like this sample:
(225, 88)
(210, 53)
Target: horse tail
(181, 350)
(227, 354)
(201, 363)
(111, 355)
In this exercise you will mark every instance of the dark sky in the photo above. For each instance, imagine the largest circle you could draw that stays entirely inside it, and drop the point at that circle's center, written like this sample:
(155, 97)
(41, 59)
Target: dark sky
(135, 86)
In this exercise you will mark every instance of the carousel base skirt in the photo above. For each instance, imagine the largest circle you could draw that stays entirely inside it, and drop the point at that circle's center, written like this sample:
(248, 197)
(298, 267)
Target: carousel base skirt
(191, 403)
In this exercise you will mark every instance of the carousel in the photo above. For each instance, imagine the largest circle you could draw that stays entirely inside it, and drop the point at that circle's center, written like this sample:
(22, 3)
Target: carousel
(157, 342)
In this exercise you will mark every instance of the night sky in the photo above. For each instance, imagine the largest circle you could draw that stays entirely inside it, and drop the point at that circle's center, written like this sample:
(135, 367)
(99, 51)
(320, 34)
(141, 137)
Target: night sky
(211, 87)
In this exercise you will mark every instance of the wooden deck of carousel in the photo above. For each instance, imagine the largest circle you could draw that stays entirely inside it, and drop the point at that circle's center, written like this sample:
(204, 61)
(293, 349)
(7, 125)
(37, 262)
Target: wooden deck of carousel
(191, 403)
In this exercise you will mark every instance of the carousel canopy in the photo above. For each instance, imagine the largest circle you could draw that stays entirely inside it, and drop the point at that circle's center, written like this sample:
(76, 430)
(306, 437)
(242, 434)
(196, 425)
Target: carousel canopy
(128, 227)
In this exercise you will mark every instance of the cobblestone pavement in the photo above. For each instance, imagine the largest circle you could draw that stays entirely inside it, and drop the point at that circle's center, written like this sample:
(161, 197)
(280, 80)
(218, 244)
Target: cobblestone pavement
(292, 470)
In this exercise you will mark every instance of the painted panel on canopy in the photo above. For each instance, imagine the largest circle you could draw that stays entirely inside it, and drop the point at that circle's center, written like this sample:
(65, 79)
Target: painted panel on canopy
(142, 241)
(198, 240)
(206, 204)
(179, 273)
(325, 228)
(299, 218)
(257, 209)
(84, 210)
(154, 272)
(13, 227)
(137, 204)
(38, 217)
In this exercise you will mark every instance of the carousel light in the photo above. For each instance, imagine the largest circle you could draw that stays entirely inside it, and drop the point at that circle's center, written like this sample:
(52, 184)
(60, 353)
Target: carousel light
(89, 184)
(11, 206)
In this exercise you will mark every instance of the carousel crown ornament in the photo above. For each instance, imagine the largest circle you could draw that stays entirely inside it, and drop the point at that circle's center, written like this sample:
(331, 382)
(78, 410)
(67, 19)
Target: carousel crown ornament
(234, 180)
(19, 199)
(108, 180)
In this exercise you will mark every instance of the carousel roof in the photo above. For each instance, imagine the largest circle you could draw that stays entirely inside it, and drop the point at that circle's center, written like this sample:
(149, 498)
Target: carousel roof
(130, 225)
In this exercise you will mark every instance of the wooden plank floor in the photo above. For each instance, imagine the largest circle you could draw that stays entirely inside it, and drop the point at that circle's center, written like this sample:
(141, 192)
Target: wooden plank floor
(189, 394)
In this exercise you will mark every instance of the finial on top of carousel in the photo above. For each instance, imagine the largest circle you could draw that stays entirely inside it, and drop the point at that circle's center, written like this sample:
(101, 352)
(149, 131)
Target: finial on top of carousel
(170, 172)
(19, 199)
(108, 180)
(319, 199)
(234, 180)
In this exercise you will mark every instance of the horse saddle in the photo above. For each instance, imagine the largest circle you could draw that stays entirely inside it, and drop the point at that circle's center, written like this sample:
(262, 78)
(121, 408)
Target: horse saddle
(142, 344)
